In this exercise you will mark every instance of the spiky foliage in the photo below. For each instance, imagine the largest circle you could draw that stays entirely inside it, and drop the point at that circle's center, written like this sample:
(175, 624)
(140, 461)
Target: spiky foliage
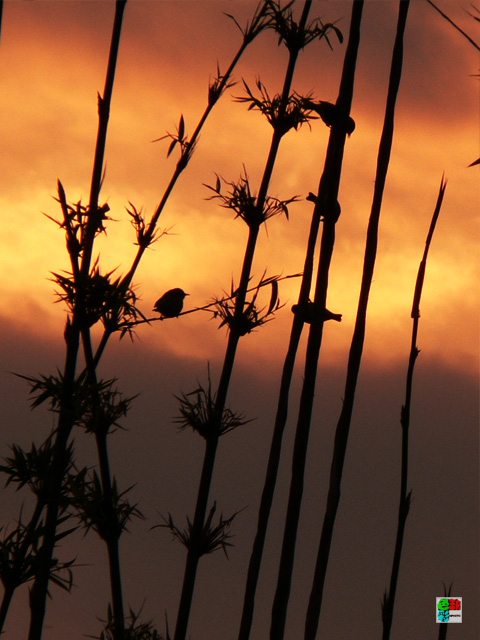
(75, 219)
(291, 34)
(251, 317)
(110, 519)
(18, 557)
(187, 145)
(217, 86)
(198, 412)
(260, 20)
(32, 468)
(214, 536)
(281, 117)
(145, 237)
(243, 201)
(98, 297)
(105, 408)
(134, 630)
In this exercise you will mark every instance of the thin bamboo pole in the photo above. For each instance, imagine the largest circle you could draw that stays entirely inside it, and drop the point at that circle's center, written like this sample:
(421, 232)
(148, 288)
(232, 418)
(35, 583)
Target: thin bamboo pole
(356, 349)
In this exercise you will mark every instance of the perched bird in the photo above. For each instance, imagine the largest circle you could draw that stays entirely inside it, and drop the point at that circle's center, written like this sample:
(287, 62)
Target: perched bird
(310, 313)
(170, 304)
(328, 113)
(331, 211)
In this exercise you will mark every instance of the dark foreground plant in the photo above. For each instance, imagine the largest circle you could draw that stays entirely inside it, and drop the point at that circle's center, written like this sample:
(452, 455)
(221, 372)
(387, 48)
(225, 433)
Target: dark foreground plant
(80, 251)
(326, 209)
(284, 112)
(358, 338)
(287, 373)
(94, 297)
(406, 497)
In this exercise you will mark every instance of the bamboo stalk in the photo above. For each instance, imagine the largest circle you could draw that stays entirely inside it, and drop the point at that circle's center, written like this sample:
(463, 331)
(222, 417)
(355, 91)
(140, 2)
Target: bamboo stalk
(328, 190)
(356, 349)
(39, 590)
(229, 360)
(405, 498)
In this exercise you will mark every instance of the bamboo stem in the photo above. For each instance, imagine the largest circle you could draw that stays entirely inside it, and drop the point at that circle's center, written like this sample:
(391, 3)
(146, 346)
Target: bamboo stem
(329, 185)
(356, 349)
(405, 498)
(39, 590)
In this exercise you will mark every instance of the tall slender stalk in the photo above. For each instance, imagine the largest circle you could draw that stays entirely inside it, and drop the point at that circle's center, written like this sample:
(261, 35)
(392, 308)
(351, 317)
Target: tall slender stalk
(233, 340)
(356, 349)
(77, 325)
(405, 498)
(39, 589)
(328, 193)
(111, 515)
(283, 396)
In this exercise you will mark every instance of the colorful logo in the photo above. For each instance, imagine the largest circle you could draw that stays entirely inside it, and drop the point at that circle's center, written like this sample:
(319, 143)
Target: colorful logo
(449, 610)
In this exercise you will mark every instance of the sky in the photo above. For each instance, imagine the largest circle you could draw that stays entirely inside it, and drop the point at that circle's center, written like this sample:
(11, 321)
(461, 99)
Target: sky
(52, 63)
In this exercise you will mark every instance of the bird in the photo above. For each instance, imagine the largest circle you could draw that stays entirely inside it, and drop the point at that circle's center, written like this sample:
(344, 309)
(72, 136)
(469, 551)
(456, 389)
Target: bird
(328, 113)
(310, 312)
(170, 304)
(332, 212)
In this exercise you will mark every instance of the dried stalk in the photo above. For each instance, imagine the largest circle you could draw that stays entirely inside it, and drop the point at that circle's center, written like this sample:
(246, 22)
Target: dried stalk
(328, 192)
(356, 349)
(38, 593)
(405, 498)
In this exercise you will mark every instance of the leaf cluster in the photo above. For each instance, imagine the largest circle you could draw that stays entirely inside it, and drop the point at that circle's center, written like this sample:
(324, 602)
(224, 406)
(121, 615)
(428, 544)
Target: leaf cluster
(244, 203)
(198, 411)
(95, 406)
(187, 146)
(260, 21)
(217, 86)
(145, 235)
(134, 631)
(292, 34)
(250, 317)
(104, 408)
(282, 117)
(98, 297)
(33, 468)
(107, 517)
(19, 557)
(212, 538)
(75, 219)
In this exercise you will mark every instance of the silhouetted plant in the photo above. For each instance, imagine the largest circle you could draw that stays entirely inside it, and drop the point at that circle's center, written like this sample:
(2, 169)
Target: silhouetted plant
(134, 630)
(405, 495)
(241, 317)
(19, 548)
(198, 412)
(93, 296)
(214, 536)
(356, 348)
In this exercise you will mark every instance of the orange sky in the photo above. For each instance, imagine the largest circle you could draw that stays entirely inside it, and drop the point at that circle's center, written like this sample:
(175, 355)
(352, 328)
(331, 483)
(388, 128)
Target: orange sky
(52, 63)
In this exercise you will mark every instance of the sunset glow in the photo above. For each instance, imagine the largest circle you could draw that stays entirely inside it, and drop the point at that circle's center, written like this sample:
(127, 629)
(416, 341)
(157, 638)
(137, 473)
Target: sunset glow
(53, 57)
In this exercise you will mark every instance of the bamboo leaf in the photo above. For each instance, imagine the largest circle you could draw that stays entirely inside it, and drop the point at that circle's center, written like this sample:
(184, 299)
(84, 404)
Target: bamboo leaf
(273, 297)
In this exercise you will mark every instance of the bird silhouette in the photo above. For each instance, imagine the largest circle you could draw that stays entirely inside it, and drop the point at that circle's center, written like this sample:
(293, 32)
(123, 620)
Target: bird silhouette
(310, 312)
(170, 304)
(331, 211)
(328, 112)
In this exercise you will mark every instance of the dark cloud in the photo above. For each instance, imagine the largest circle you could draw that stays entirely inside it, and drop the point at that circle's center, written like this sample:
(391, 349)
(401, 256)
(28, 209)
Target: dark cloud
(442, 529)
